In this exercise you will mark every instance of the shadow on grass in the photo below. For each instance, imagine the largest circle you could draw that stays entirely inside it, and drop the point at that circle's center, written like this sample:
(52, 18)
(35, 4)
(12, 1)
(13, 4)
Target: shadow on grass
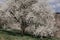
(20, 35)
(10, 33)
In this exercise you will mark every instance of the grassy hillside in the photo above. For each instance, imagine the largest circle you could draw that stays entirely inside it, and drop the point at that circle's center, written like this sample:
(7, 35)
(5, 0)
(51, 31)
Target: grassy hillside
(4, 35)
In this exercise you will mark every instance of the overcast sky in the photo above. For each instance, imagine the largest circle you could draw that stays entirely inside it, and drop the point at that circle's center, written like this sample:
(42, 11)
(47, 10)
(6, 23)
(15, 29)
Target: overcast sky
(54, 3)
(2, 1)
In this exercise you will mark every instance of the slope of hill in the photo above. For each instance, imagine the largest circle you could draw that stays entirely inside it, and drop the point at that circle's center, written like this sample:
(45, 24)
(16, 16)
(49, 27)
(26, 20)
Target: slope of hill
(4, 35)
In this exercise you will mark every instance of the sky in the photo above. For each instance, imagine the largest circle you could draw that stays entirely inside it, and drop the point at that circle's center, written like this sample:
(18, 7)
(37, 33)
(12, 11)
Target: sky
(54, 3)
(2, 1)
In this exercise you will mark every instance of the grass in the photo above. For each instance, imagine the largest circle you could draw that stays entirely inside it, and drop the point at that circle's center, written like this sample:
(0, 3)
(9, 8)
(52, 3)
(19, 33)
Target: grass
(5, 35)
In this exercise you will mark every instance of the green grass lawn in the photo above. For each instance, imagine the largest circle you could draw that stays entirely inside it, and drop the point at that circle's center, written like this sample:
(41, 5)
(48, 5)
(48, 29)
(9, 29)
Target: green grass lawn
(11, 36)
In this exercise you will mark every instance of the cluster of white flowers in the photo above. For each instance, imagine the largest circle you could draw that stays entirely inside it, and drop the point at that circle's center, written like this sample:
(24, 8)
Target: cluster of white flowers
(35, 17)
